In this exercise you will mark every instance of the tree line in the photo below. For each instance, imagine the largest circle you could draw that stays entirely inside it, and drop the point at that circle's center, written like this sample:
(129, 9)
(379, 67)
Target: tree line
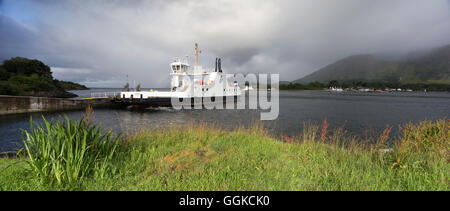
(362, 84)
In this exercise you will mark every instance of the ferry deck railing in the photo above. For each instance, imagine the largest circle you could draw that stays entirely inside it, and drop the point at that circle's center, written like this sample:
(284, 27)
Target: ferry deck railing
(105, 94)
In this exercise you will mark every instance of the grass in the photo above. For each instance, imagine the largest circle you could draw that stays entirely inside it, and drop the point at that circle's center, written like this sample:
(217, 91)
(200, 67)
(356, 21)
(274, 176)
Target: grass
(202, 157)
(66, 152)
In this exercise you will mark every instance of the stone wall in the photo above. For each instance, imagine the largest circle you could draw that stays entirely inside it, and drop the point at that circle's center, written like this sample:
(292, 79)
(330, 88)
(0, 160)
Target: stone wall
(25, 104)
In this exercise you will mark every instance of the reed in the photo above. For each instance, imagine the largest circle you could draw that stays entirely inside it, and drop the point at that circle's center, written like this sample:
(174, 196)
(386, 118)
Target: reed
(67, 151)
(324, 130)
(422, 144)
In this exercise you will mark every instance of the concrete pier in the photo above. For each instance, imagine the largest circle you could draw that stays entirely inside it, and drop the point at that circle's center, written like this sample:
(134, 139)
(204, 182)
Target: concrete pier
(27, 104)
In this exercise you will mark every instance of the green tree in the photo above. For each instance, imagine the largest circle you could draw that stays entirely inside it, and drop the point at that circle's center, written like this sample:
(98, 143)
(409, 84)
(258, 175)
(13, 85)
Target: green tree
(333, 83)
(24, 66)
(4, 75)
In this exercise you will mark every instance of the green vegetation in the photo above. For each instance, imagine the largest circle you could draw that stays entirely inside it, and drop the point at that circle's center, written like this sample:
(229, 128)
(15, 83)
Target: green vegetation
(208, 158)
(297, 86)
(21, 76)
(66, 152)
(430, 69)
(67, 85)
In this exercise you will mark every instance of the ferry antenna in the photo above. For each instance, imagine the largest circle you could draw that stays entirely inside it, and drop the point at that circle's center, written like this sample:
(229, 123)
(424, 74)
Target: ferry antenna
(197, 51)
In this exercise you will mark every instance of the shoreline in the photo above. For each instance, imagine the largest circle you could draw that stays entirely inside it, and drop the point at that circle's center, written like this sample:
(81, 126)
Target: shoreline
(356, 91)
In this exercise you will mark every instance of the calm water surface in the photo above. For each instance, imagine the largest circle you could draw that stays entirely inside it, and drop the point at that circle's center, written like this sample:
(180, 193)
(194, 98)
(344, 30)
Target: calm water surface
(359, 113)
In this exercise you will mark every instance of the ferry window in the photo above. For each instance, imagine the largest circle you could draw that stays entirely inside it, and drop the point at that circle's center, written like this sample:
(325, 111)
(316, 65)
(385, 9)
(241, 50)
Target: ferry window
(178, 67)
(174, 68)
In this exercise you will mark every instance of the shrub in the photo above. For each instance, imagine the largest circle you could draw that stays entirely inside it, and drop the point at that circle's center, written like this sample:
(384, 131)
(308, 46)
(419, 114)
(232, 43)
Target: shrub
(9, 89)
(426, 140)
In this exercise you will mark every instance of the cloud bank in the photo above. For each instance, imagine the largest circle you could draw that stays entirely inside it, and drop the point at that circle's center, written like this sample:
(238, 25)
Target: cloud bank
(97, 43)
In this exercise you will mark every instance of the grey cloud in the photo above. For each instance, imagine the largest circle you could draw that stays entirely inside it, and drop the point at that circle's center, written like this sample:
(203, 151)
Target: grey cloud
(15, 38)
(140, 38)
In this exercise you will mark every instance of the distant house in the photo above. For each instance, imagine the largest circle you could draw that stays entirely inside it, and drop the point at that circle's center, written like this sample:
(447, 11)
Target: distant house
(336, 89)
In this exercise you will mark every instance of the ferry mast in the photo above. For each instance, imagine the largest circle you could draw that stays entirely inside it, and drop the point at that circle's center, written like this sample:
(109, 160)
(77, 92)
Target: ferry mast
(197, 51)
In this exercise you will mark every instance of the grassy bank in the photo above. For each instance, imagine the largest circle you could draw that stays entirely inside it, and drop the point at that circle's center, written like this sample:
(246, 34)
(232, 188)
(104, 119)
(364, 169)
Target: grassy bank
(208, 158)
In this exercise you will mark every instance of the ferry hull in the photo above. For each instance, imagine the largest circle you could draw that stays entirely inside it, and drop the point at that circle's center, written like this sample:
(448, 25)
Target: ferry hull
(167, 101)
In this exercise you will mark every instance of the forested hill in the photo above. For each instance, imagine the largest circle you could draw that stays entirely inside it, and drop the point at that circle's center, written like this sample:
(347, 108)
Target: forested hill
(22, 76)
(432, 68)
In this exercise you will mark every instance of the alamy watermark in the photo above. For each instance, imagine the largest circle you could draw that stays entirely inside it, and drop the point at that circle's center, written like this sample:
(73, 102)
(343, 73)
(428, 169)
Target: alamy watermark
(233, 89)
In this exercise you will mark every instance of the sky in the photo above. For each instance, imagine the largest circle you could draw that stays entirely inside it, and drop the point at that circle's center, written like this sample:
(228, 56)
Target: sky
(99, 42)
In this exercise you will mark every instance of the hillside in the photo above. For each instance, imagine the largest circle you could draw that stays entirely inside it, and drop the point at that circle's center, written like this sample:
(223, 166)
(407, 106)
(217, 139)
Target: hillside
(432, 68)
(67, 85)
(22, 76)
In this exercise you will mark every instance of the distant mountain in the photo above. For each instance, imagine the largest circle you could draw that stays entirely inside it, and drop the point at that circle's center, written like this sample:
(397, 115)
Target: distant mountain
(433, 67)
(284, 82)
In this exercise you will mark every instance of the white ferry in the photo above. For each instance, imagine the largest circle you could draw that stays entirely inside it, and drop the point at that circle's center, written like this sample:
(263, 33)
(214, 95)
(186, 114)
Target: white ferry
(188, 85)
